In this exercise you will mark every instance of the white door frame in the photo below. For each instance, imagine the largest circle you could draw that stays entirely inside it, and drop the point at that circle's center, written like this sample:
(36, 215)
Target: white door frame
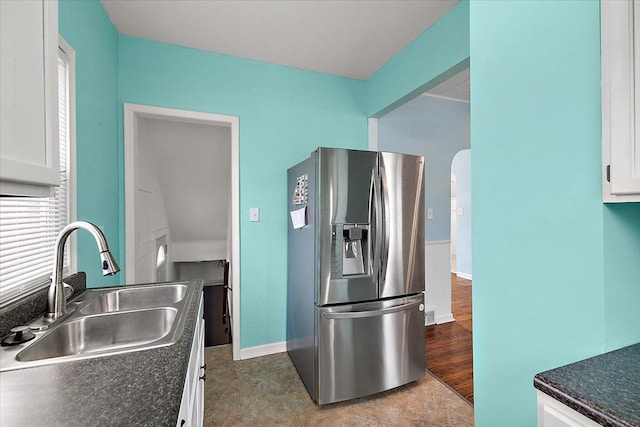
(131, 114)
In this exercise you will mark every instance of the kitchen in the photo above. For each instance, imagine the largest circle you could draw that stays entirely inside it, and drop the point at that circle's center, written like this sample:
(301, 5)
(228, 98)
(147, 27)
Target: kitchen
(556, 271)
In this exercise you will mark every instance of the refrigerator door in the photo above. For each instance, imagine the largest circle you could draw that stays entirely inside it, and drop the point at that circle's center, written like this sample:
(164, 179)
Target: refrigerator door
(402, 195)
(369, 347)
(344, 232)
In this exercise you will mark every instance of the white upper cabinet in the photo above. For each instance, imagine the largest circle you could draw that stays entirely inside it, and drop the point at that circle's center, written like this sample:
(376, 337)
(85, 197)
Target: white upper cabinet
(29, 155)
(620, 26)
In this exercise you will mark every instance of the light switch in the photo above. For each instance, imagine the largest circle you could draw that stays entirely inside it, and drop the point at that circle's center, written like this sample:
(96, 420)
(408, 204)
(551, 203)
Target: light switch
(460, 211)
(429, 213)
(254, 214)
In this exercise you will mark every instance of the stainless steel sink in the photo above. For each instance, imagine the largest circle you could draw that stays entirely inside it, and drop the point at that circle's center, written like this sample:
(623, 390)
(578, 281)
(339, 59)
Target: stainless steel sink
(106, 322)
(133, 299)
(102, 333)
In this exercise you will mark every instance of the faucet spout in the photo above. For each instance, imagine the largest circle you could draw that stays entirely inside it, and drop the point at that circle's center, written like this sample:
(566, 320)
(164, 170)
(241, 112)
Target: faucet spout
(56, 301)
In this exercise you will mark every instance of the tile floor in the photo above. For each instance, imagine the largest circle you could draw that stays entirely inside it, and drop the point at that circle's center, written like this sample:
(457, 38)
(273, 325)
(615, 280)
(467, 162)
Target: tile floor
(266, 391)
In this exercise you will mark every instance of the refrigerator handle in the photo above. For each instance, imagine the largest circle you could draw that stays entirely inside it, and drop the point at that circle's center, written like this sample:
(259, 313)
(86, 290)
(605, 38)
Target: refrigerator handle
(384, 229)
(372, 313)
(375, 218)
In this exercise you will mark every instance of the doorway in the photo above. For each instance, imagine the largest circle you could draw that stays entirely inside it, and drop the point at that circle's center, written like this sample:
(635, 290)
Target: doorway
(148, 215)
(436, 124)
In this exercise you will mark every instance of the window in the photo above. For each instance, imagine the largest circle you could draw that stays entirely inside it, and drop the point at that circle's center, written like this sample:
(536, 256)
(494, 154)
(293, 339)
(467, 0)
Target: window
(29, 225)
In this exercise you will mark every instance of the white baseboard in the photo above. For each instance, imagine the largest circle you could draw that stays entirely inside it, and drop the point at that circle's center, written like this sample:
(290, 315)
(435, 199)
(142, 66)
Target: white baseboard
(464, 275)
(444, 318)
(263, 350)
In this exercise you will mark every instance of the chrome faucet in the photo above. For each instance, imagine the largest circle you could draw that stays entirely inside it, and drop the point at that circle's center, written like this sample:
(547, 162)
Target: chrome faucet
(56, 301)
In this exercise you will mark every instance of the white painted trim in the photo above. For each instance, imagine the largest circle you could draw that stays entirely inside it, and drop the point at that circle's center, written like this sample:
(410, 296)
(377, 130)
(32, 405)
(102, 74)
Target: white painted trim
(437, 242)
(448, 98)
(130, 124)
(438, 279)
(72, 194)
(160, 232)
(464, 275)
(373, 134)
(263, 350)
(444, 318)
(131, 113)
(235, 234)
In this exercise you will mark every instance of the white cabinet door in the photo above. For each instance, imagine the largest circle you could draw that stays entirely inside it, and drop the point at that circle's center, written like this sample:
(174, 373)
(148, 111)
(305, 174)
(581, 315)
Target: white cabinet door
(197, 410)
(552, 413)
(29, 153)
(620, 45)
(192, 407)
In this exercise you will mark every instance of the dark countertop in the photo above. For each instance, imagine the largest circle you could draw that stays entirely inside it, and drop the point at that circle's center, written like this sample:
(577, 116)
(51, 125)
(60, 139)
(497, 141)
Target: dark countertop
(142, 388)
(604, 388)
(23, 311)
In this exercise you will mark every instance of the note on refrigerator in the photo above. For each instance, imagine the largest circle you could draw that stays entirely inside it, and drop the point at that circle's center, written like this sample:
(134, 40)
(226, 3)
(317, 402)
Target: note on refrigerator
(299, 217)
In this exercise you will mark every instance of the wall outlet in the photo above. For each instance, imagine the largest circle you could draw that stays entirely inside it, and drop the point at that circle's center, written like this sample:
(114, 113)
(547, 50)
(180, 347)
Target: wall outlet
(429, 213)
(254, 214)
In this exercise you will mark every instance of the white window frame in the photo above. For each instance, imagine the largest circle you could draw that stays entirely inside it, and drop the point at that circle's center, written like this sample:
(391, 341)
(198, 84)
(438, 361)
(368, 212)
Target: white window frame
(38, 284)
(72, 206)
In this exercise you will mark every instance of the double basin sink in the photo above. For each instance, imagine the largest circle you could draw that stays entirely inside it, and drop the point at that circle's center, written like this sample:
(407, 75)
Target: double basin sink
(105, 322)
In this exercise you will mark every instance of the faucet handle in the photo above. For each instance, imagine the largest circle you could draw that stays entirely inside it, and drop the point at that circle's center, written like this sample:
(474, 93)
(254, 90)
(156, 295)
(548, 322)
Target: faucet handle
(68, 290)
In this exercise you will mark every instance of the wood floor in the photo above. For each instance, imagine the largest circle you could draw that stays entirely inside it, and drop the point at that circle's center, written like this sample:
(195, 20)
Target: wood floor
(449, 345)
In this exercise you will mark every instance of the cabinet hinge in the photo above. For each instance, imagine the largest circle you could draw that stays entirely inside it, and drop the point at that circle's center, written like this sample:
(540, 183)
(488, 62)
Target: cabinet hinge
(608, 173)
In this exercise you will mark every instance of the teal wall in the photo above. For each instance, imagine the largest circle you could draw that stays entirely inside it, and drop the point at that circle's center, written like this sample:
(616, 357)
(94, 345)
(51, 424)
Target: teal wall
(437, 129)
(439, 53)
(87, 28)
(538, 268)
(622, 274)
(284, 114)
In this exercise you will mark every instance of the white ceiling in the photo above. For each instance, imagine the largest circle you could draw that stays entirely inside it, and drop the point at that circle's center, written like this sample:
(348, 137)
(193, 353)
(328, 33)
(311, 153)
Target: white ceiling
(350, 38)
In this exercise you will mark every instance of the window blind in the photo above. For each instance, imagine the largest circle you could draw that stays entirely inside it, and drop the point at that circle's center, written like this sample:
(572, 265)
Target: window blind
(29, 226)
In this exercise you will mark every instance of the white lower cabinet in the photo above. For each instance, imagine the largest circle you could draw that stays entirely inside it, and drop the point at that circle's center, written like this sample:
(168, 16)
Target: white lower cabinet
(552, 413)
(192, 406)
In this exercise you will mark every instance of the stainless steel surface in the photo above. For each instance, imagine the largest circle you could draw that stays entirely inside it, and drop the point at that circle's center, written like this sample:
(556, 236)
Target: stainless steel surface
(132, 299)
(138, 325)
(56, 301)
(358, 265)
(300, 284)
(376, 218)
(344, 199)
(128, 388)
(402, 182)
(369, 347)
(102, 333)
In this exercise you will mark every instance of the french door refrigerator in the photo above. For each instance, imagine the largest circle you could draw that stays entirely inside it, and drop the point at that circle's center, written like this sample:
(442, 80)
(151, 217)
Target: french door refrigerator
(355, 321)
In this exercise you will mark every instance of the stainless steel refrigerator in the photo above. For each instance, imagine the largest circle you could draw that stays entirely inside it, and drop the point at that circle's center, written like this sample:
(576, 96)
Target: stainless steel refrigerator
(355, 312)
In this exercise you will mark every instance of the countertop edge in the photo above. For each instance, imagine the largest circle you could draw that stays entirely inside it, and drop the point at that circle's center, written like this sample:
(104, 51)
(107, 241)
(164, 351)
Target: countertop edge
(589, 410)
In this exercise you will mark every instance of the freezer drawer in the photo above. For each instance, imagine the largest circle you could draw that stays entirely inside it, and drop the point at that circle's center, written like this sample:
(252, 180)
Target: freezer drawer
(369, 347)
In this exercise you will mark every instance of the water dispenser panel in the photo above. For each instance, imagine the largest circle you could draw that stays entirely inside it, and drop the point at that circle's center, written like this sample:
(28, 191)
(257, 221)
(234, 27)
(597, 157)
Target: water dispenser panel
(349, 250)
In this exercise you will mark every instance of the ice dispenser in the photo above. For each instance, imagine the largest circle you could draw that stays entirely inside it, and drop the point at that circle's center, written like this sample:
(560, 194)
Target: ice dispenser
(350, 254)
